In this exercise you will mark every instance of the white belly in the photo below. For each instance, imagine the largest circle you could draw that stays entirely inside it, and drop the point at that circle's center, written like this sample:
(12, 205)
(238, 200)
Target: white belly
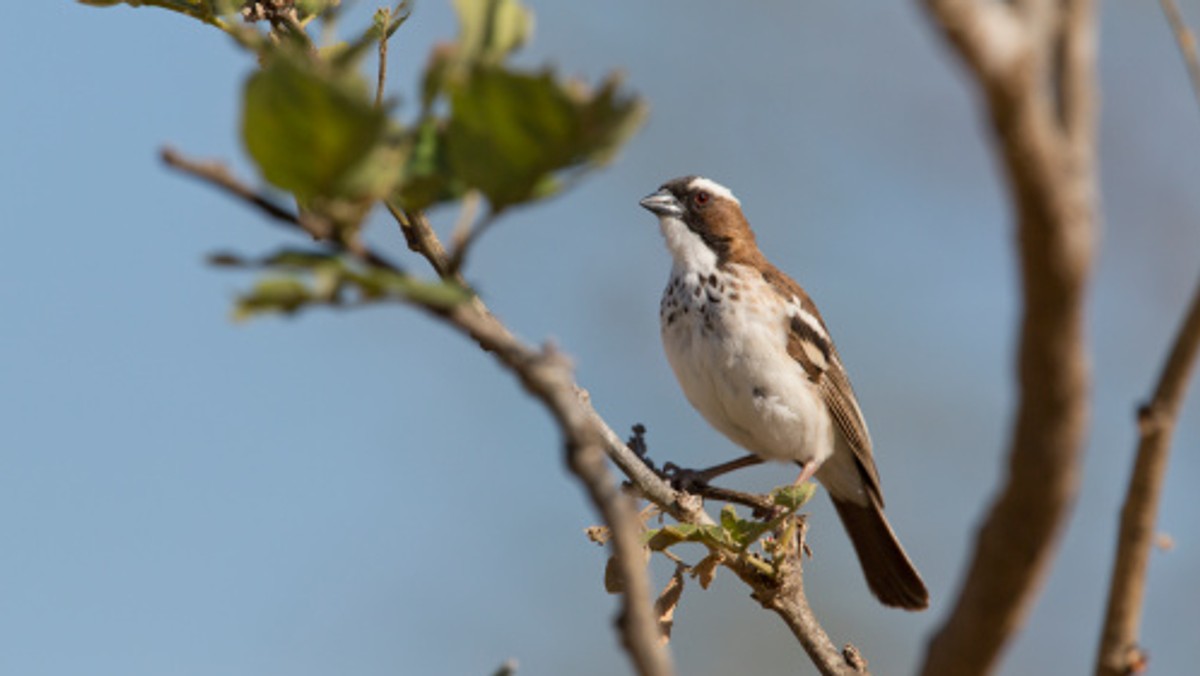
(731, 360)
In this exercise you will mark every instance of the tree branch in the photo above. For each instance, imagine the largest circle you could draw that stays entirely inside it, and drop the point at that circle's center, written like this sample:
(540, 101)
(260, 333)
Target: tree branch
(1186, 41)
(1046, 141)
(786, 598)
(216, 174)
(1119, 652)
(421, 239)
(587, 440)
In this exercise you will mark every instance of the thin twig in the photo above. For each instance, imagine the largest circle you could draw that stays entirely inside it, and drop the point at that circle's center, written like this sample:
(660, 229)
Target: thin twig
(1186, 40)
(421, 239)
(381, 77)
(761, 504)
(464, 242)
(216, 174)
(466, 219)
(1119, 652)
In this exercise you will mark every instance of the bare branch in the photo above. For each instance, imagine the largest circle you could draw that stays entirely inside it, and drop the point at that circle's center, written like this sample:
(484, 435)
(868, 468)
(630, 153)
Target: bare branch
(465, 238)
(381, 73)
(547, 375)
(421, 239)
(988, 35)
(216, 174)
(1119, 652)
(1046, 138)
(1186, 40)
(785, 597)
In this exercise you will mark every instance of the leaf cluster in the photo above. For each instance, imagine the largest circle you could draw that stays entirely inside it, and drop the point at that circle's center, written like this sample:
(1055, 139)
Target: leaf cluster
(733, 537)
(317, 130)
(304, 277)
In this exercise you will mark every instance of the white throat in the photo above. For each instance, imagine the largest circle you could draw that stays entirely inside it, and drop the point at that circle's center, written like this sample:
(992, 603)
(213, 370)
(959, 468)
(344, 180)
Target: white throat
(687, 249)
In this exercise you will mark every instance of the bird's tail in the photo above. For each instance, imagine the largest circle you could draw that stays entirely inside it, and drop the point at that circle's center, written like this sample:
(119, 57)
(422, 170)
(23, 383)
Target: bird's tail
(890, 574)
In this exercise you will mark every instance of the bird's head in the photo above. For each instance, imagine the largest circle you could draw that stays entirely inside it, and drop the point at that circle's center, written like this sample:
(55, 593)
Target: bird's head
(702, 222)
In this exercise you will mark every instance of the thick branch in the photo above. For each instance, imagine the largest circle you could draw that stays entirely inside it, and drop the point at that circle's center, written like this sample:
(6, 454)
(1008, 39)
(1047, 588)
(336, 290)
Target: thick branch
(988, 35)
(1119, 652)
(1045, 139)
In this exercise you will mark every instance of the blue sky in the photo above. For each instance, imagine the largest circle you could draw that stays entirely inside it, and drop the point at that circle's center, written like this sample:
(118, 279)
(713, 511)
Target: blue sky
(366, 493)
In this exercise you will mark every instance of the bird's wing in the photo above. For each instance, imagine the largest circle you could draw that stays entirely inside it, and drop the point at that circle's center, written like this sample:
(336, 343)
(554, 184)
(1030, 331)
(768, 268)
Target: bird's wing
(809, 344)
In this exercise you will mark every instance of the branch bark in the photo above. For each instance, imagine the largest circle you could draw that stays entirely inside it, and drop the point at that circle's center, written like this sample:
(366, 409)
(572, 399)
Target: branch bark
(1034, 62)
(1119, 652)
(786, 599)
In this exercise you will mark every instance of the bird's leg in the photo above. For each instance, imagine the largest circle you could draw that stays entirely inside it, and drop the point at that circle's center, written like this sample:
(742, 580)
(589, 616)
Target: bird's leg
(807, 470)
(684, 479)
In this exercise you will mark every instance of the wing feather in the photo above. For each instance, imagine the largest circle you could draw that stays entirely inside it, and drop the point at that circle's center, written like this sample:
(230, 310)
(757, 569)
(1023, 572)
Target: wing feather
(810, 345)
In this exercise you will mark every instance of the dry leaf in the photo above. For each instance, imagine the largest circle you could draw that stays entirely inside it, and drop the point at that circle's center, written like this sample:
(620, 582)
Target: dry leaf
(613, 582)
(706, 570)
(598, 534)
(667, 601)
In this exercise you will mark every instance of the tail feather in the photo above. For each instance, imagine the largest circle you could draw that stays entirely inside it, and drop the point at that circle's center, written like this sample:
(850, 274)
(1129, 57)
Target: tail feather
(889, 572)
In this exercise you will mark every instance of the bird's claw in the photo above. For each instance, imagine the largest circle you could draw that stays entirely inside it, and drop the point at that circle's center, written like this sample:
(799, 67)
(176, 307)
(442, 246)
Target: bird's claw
(684, 479)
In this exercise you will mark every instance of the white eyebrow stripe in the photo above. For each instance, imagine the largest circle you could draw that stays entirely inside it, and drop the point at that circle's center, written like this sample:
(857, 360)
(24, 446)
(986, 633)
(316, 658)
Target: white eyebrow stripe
(701, 183)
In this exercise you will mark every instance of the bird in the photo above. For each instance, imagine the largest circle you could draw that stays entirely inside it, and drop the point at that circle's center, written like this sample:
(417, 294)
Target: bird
(754, 357)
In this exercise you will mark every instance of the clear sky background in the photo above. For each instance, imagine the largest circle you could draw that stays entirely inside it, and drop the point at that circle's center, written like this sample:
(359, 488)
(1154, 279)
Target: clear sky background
(366, 493)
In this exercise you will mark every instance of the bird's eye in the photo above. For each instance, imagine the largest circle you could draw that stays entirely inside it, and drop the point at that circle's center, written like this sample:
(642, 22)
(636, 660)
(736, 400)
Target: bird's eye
(702, 198)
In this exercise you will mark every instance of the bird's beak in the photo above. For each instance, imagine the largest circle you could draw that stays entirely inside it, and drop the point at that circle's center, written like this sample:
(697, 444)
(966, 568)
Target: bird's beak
(662, 203)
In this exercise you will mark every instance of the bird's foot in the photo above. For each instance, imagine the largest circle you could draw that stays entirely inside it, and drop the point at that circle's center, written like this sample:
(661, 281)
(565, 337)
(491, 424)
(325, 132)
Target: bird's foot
(684, 479)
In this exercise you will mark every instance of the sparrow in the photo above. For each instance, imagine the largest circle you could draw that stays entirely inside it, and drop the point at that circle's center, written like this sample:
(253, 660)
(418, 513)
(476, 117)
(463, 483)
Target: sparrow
(754, 357)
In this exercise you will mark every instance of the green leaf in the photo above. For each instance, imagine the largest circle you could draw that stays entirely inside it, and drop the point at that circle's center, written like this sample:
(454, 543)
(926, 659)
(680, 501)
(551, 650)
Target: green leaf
(717, 536)
(509, 132)
(792, 497)
(387, 21)
(310, 129)
(310, 8)
(608, 120)
(729, 519)
(427, 176)
(300, 278)
(492, 29)
(668, 536)
(272, 294)
(384, 23)
(382, 284)
(208, 11)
